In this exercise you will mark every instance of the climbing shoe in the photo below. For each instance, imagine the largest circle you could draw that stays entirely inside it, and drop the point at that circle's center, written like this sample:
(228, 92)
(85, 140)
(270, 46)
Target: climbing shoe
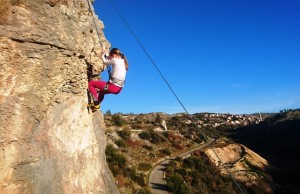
(95, 107)
(90, 105)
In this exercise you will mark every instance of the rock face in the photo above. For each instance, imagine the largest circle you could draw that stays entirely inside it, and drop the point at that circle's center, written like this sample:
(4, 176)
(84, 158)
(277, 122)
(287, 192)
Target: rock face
(49, 141)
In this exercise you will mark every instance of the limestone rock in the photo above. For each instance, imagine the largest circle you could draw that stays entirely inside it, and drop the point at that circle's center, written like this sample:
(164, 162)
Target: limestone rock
(49, 141)
(240, 161)
(164, 125)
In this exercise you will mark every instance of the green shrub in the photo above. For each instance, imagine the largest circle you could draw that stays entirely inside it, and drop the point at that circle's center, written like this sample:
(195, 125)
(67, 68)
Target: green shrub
(158, 119)
(139, 179)
(144, 166)
(166, 151)
(121, 143)
(155, 137)
(145, 135)
(176, 184)
(117, 120)
(125, 134)
(117, 162)
(169, 170)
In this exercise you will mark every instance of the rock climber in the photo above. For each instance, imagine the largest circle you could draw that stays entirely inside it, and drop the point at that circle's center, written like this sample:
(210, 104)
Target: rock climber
(116, 81)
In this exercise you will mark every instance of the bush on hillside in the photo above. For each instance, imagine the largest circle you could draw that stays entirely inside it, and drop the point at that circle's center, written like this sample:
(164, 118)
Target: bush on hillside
(117, 120)
(176, 184)
(145, 135)
(166, 151)
(144, 166)
(117, 162)
(121, 143)
(125, 134)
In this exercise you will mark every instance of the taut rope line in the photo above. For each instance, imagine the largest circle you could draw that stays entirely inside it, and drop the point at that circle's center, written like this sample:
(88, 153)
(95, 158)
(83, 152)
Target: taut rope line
(162, 76)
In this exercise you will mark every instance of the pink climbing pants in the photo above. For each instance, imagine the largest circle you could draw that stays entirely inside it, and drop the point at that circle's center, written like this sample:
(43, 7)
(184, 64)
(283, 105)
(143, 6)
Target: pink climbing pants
(100, 85)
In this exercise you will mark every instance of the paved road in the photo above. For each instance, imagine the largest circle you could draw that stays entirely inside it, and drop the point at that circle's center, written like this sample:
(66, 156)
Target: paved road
(156, 179)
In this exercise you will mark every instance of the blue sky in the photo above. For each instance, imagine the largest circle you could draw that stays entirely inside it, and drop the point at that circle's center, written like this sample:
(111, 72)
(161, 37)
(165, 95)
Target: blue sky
(225, 56)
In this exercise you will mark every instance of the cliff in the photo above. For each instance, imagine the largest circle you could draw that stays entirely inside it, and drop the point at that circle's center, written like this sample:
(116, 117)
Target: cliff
(246, 166)
(49, 141)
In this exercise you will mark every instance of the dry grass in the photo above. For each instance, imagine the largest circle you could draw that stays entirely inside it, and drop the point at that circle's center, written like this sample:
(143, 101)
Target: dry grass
(4, 10)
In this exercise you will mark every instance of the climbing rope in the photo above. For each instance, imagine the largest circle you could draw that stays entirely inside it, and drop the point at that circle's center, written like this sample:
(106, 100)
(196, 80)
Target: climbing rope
(92, 12)
(97, 31)
(169, 86)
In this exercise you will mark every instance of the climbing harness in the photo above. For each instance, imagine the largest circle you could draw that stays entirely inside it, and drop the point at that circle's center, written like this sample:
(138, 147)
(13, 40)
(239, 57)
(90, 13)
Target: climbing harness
(117, 81)
(169, 86)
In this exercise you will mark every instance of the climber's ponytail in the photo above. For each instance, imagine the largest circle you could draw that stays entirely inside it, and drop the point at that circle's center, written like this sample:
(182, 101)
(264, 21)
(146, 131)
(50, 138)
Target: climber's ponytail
(126, 62)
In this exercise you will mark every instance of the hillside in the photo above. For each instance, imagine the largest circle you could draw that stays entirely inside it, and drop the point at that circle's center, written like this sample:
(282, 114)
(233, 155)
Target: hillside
(138, 142)
(277, 139)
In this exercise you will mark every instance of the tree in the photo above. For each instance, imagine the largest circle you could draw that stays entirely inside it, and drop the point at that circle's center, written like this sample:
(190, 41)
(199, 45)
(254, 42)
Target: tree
(108, 112)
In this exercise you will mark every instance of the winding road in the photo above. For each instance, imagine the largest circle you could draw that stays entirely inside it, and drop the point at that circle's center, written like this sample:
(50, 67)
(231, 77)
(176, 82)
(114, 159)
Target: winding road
(157, 182)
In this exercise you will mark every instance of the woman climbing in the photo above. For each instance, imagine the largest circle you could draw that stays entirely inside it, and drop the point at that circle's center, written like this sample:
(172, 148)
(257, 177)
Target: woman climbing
(116, 78)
